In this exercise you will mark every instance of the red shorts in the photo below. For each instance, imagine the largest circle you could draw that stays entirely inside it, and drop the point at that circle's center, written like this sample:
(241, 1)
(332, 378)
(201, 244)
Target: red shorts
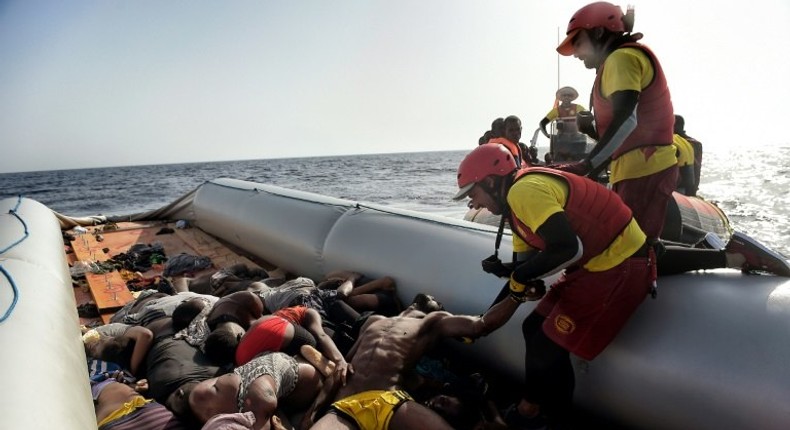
(648, 198)
(585, 310)
(267, 334)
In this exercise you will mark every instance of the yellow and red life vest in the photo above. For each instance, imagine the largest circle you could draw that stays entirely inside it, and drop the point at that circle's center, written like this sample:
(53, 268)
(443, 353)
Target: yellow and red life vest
(595, 213)
(654, 111)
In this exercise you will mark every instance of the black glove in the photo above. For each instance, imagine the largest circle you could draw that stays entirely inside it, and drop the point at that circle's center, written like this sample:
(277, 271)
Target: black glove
(531, 291)
(494, 265)
(577, 167)
(585, 122)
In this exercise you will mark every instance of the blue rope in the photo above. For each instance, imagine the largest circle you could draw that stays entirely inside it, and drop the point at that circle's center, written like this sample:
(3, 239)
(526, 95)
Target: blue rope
(5, 273)
(16, 295)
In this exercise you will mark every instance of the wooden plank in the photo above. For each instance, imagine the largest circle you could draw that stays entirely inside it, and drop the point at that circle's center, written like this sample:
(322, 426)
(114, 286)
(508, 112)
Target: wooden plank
(86, 248)
(205, 245)
(108, 290)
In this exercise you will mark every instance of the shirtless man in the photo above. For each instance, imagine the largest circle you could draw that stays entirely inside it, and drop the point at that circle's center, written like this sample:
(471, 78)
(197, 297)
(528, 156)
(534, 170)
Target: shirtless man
(385, 353)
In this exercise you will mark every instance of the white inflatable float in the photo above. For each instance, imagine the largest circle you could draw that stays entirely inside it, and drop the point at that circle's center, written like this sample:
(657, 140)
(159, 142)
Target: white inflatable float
(43, 365)
(711, 352)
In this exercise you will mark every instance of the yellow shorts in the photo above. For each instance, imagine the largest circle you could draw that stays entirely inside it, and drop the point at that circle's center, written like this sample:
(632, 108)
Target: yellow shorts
(372, 410)
(126, 409)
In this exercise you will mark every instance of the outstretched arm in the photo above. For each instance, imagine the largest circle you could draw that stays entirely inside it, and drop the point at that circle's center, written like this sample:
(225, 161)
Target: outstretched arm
(379, 284)
(478, 326)
(326, 345)
(143, 338)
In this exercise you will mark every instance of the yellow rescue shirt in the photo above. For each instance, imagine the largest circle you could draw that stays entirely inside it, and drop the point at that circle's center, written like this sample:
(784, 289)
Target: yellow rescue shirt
(534, 198)
(630, 69)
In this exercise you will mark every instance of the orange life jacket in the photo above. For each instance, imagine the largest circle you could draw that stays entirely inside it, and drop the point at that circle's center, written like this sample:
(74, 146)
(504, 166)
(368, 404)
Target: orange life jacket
(567, 115)
(514, 149)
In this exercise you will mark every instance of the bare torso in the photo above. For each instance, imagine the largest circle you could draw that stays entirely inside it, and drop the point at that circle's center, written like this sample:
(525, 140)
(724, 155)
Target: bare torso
(387, 349)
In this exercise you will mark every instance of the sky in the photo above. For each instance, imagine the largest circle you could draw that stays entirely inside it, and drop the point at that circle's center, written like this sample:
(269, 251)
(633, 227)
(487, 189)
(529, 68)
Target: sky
(106, 83)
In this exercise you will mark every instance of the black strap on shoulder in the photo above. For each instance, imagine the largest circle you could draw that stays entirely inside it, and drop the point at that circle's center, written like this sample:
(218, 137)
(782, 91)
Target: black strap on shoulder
(500, 232)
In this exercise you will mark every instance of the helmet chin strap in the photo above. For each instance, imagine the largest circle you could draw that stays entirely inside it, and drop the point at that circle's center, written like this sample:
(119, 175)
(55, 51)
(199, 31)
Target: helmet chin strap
(500, 196)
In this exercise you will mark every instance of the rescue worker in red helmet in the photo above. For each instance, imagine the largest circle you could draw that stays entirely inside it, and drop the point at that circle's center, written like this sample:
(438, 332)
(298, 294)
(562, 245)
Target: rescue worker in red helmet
(560, 221)
(633, 112)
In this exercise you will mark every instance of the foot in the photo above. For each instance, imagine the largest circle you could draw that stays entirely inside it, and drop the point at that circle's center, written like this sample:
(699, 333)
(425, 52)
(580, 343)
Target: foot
(710, 241)
(277, 273)
(515, 420)
(758, 257)
(180, 283)
(324, 365)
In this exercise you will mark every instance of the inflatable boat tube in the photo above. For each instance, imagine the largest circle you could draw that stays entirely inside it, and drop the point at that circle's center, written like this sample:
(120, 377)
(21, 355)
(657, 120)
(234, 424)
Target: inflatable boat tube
(45, 376)
(687, 221)
(689, 218)
(710, 352)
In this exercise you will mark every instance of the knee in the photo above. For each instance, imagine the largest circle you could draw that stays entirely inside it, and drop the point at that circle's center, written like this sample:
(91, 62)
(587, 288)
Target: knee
(388, 283)
(531, 325)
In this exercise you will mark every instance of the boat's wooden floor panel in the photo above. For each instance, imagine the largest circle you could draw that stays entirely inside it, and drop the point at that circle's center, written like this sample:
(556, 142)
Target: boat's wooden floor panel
(109, 291)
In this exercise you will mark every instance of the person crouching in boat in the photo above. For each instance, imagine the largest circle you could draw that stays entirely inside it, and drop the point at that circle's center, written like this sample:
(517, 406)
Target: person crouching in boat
(560, 221)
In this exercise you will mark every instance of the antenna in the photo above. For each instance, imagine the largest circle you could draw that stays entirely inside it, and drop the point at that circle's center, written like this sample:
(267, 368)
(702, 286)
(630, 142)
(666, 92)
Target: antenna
(558, 59)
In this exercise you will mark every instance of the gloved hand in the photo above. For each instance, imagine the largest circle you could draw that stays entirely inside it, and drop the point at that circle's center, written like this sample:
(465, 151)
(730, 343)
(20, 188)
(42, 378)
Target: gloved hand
(531, 291)
(580, 168)
(494, 265)
(585, 122)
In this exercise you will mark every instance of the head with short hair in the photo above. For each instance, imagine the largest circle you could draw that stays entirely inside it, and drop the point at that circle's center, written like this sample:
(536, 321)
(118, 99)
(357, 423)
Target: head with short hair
(512, 130)
(458, 404)
(178, 403)
(221, 343)
(208, 398)
(116, 350)
(185, 312)
(680, 125)
(426, 303)
(498, 127)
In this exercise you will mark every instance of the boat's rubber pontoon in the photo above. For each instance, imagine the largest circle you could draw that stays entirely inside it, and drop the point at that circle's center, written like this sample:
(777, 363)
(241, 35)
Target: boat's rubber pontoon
(711, 352)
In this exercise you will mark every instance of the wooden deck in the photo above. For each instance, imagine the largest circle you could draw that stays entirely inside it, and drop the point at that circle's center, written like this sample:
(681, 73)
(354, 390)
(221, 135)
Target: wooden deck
(109, 291)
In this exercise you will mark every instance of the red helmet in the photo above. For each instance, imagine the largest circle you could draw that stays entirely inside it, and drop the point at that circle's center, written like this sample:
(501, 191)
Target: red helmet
(594, 15)
(485, 160)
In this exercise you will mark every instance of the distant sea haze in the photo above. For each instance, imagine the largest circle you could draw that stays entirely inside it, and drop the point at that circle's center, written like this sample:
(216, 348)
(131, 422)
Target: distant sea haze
(752, 192)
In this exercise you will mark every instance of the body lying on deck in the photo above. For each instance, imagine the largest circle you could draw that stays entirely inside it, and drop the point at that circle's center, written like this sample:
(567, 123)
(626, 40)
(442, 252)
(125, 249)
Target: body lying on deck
(710, 352)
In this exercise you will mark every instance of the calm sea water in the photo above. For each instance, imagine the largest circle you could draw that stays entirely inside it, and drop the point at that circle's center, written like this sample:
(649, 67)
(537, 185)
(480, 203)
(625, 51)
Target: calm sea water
(753, 192)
